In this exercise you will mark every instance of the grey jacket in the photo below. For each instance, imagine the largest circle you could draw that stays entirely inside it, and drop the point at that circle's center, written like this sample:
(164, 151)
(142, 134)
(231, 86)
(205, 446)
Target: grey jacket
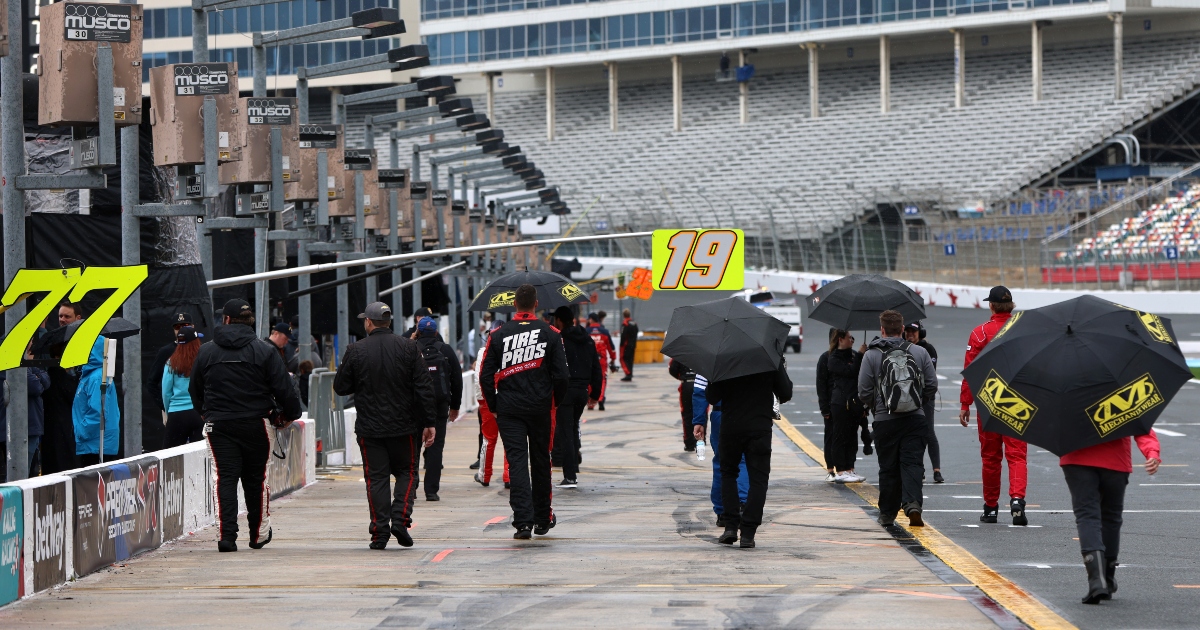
(869, 373)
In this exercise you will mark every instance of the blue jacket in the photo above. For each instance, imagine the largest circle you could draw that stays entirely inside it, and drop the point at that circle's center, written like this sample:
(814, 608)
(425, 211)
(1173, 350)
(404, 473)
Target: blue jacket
(700, 410)
(85, 413)
(175, 395)
(38, 380)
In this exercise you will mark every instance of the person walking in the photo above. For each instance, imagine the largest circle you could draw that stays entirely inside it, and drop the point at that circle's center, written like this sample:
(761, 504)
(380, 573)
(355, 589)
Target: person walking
(706, 422)
(824, 392)
(279, 338)
(241, 388)
(1096, 477)
(487, 423)
(586, 381)
(446, 375)
(914, 333)
(995, 448)
(895, 379)
(524, 375)
(607, 352)
(687, 383)
(184, 423)
(397, 412)
(629, 339)
(748, 403)
(85, 411)
(843, 365)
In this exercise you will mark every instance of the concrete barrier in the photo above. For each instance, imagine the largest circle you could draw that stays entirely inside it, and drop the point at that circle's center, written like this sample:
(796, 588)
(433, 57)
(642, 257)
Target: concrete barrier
(56, 528)
(935, 294)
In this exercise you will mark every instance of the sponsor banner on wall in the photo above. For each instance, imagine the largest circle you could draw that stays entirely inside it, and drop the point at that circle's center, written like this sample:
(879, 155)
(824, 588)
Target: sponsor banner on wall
(171, 477)
(50, 535)
(12, 529)
(116, 513)
(287, 474)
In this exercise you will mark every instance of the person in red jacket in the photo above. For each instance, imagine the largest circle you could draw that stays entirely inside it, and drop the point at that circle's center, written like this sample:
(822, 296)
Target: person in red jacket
(605, 348)
(1097, 476)
(994, 448)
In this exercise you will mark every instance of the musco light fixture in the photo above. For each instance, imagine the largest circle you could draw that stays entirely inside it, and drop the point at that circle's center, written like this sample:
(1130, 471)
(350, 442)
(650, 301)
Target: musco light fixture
(177, 94)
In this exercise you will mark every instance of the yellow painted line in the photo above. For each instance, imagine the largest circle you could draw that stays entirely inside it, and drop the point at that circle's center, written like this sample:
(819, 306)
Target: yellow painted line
(1017, 600)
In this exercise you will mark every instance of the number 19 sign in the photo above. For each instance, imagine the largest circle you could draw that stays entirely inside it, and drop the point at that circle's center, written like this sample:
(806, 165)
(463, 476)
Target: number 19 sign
(699, 259)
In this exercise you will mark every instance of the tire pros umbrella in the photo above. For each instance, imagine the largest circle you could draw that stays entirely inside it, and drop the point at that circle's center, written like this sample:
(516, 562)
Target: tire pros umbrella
(1078, 373)
(553, 291)
(725, 339)
(854, 302)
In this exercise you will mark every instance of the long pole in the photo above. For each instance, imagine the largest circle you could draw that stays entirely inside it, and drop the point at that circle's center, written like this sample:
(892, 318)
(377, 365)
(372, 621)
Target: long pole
(132, 309)
(12, 135)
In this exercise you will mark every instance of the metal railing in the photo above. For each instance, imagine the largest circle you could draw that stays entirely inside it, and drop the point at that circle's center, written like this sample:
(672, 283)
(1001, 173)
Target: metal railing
(327, 411)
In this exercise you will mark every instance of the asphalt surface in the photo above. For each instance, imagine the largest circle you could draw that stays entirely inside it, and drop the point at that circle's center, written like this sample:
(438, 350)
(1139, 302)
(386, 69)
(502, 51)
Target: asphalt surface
(1159, 576)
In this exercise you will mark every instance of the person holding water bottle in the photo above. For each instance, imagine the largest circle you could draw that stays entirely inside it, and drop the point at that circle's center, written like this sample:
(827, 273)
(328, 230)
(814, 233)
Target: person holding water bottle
(700, 418)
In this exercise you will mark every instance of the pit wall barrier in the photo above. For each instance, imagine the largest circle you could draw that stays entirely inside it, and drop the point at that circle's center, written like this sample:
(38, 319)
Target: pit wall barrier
(935, 294)
(56, 528)
(353, 456)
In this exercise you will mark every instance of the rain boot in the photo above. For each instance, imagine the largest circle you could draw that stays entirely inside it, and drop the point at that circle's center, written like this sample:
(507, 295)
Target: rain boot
(1093, 561)
(1110, 575)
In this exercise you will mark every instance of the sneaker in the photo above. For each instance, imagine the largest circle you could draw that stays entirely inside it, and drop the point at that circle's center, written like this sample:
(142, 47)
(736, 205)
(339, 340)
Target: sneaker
(885, 520)
(627, 379)
(913, 512)
(568, 483)
(261, 544)
(989, 514)
(747, 539)
(601, 406)
(507, 485)
(831, 477)
(937, 477)
(721, 521)
(867, 450)
(729, 537)
(523, 532)
(226, 546)
(542, 530)
(432, 496)
(480, 481)
(689, 449)
(1018, 512)
(474, 466)
(855, 478)
(378, 544)
(403, 536)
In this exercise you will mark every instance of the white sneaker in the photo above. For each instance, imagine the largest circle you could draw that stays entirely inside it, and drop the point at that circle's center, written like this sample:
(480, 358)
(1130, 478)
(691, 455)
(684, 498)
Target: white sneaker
(853, 477)
(843, 477)
(831, 477)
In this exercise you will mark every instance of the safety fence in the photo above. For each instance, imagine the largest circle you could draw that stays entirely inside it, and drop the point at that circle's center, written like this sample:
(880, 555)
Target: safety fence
(56, 528)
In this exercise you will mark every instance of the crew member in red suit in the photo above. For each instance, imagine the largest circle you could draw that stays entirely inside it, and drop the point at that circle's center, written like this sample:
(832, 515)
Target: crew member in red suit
(605, 348)
(994, 448)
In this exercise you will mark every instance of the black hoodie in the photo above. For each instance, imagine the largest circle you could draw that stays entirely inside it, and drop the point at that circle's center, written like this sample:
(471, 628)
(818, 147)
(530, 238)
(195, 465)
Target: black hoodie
(239, 376)
(583, 362)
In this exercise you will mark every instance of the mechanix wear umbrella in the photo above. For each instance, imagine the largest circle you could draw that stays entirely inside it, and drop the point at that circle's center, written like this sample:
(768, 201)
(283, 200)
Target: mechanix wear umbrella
(854, 302)
(553, 291)
(725, 339)
(1077, 373)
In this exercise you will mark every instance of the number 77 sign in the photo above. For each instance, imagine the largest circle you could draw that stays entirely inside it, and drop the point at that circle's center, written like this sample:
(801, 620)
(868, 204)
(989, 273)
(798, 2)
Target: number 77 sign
(699, 259)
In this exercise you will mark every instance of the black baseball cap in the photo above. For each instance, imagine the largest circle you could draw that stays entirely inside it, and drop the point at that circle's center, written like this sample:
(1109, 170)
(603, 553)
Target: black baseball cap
(182, 319)
(237, 308)
(186, 334)
(424, 311)
(377, 311)
(999, 293)
(281, 327)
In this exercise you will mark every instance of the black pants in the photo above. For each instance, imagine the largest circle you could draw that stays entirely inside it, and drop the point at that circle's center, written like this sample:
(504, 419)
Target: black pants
(843, 446)
(183, 427)
(433, 454)
(935, 450)
(685, 410)
(241, 450)
(566, 431)
(627, 354)
(384, 458)
(527, 446)
(827, 441)
(755, 446)
(1098, 498)
(900, 445)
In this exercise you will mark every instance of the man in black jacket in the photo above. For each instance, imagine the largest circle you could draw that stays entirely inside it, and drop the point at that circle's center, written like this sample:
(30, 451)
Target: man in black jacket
(629, 339)
(524, 374)
(239, 384)
(748, 406)
(587, 379)
(446, 376)
(393, 395)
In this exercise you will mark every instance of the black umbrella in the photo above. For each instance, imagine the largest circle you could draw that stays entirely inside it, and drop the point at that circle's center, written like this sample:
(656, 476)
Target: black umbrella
(553, 291)
(1077, 373)
(854, 302)
(725, 339)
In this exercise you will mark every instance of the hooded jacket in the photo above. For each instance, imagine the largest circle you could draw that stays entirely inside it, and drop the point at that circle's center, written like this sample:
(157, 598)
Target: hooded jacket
(868, 375)
(843, 366)
(583, 362)
(239, 376)
(524, 368)
(85, 411)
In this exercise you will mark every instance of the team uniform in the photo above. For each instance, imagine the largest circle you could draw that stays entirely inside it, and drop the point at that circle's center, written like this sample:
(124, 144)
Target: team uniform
(487, 425)
(687, 382)
(629, 337)
(524, 373)
(994, 448)
(608, 355)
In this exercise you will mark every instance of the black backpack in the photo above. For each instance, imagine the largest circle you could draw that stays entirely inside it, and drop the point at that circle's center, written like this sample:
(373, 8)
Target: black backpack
(900, 383)
(439, 368)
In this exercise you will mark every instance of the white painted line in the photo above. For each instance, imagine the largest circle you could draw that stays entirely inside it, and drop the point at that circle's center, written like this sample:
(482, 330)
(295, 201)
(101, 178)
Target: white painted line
(1169, 433)
(957, 382)
(964, 496)
(1067, 510)
(1168, 484)
(963, 525)
(1024, 526)
(941, 378)
(1039, 566)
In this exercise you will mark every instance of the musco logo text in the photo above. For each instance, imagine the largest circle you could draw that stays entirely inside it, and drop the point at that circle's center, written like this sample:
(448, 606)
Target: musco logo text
(269, 111)
(1005, 404)
(98, 22)
(194, 79)
(1125, 405)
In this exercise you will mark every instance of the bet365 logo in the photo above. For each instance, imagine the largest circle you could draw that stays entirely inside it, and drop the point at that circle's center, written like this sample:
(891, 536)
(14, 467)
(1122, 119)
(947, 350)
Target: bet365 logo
(70, 285)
